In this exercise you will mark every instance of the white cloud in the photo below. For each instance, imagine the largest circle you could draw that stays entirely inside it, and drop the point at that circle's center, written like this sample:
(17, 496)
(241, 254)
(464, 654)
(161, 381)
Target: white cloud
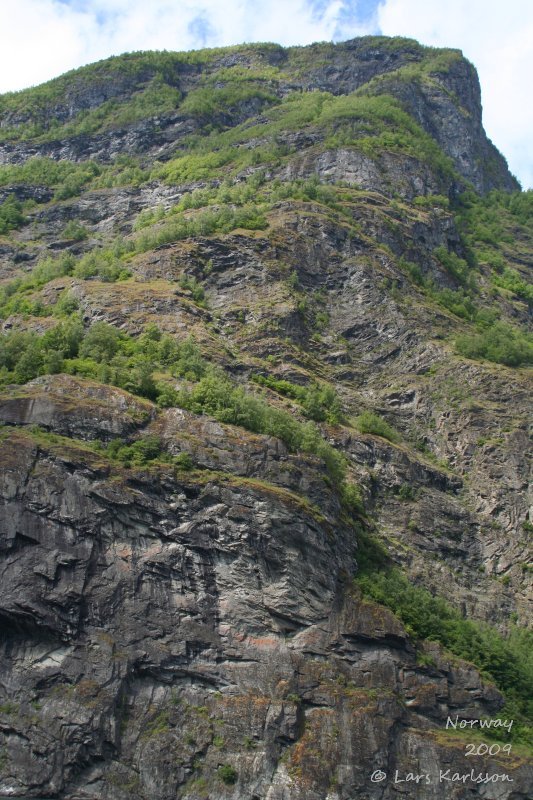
(39, 39)
(497, 37)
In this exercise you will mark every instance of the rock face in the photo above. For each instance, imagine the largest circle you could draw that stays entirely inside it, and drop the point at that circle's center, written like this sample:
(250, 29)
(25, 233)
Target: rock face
(151, 621)
(187, 624)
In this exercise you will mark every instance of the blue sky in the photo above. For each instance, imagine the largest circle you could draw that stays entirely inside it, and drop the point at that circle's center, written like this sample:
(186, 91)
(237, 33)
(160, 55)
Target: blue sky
(40, 39)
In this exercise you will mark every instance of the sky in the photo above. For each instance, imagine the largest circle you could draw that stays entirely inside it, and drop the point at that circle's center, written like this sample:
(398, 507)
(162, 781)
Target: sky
(40, 39)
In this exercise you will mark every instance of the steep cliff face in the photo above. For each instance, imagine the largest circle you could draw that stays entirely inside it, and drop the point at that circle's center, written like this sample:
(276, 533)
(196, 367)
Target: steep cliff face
(264, 352)
(67, 118)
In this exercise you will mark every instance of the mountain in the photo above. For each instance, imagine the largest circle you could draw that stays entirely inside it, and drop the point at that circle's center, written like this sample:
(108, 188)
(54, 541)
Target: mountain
(265, 390)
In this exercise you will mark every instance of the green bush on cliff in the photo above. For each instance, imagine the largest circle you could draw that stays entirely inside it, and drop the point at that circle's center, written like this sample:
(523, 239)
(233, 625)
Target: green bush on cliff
(46, 270)
(108, 355)
(66, 177)
(368, 422)
(507, 660)
(11, 216)
(319, 402)
(510, 280)
(216, 395)
(139, 453)
(75, 231)
(227, 774)
(210, 101)
(500, 342)
(205, 223)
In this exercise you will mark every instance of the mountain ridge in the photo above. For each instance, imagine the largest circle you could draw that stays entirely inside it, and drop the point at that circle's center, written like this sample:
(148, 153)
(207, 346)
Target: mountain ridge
(397, 58)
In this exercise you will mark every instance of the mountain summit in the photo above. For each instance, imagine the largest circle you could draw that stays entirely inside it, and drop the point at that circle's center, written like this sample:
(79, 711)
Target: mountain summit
(264, 390)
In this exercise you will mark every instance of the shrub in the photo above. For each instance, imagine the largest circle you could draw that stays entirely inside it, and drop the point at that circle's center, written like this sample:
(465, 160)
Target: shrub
(106, 264)
(66, 304)
(30, 364)
(368, 422)
(185, 360)
(319, 402)
(75, 231)
(67, 176)
(64, 337)
(214, 394)
(196, 289)
(205, 223)
(456, 266)
(183, 461)
(500, 342)
(227, 774)
(11, 216)
(511, 280)
(139, 453)
(101, 342)
(352, 498)
(407, 492)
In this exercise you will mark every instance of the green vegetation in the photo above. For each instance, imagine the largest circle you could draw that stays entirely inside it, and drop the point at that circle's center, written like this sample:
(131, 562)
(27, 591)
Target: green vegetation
(110, 356)
(510, 280)
(13, 294)
(492, 227)
(144, 452)
(196, 289)
(216, 395)
(487, 225)
(407, 492)
(67, 178)
(11, 216)
(157, 726)
(75, 231)
(370, 124)
(500, 342)
(137, 86)
(319, 402)
(102, 353)
(207, 102)
(227, 774)
(107, 264)
(368, 422)
(222, 220)
(506, 660)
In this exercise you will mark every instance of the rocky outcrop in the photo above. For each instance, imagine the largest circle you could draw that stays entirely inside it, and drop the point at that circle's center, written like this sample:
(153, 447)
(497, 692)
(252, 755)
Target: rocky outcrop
(193, 633)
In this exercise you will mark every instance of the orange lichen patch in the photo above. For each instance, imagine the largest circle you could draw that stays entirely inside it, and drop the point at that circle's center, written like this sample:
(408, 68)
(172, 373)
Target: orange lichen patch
(250, 711)
(362, 701)
(256, 641)
(244, 701)
(124, 554)
(314, 758)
